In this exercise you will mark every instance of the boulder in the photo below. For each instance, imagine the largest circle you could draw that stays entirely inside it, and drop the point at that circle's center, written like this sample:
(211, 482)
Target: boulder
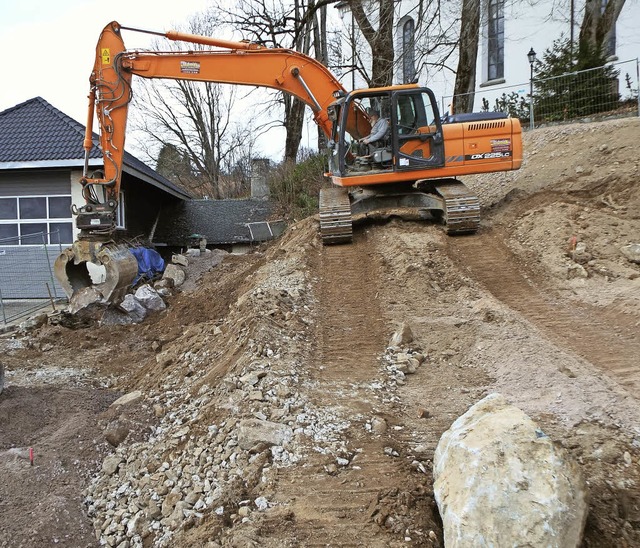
(576, 271)
(131, 397)
(169, 503)
(180, 259)
(113, 316)
(83, 298)
(174, 273)
(254, 431)
(116, 432)
(580, 254)
(500, 481)
(33, 322)
(111, 464)
(149, 298)
(631, 252)
(402, 336)
(132, 307)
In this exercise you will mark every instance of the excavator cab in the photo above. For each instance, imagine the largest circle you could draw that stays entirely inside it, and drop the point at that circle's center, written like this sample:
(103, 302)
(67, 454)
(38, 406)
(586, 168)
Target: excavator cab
(412, 140)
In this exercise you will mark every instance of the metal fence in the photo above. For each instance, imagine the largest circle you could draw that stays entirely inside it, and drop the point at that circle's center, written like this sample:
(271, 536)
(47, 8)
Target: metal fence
(27, 282)
(610, 91)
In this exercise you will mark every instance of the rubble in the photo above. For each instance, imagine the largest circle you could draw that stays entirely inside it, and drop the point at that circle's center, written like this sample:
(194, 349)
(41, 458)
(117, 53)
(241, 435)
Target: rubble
(251, 425)
(188, 468)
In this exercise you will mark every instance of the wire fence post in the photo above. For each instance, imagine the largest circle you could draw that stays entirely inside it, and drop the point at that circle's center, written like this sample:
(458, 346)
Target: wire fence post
(46, 252)
(4, 316)
(638, 83)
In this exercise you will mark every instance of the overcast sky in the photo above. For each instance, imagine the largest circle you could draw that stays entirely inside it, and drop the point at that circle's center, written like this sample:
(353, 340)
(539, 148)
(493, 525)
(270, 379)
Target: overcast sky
(47, 47)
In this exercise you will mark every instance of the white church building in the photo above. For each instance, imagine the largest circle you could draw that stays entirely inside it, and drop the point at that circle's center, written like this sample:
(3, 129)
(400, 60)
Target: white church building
(509, 31)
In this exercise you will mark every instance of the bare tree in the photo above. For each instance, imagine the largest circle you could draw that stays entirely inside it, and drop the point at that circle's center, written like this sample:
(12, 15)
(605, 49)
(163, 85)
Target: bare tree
(433, 45)
(174, 164)
(467, 56)
(195, 119)
(376, 22)
(298, 25)
(437, 34)
(599, 24)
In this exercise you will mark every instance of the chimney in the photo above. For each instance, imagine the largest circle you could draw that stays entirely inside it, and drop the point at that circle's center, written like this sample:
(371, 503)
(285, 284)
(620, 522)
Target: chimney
(259, 170)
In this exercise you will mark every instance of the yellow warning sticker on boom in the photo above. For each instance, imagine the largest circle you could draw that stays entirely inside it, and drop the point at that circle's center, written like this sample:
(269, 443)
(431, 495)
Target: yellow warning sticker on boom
(106, 56)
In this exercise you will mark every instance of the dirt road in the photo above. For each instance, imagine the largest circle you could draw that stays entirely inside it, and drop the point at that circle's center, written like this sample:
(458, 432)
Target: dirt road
(541, 305)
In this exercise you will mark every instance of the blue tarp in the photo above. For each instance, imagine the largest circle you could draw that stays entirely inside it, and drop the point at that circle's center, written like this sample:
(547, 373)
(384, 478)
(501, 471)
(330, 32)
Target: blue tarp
(149, 262)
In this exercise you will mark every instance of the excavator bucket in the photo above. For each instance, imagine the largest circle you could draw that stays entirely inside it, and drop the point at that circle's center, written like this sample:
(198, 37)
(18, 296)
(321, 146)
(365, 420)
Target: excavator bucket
(108, 269)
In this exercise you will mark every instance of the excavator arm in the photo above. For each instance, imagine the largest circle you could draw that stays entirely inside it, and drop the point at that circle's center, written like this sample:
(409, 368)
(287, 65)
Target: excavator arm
(214, 60)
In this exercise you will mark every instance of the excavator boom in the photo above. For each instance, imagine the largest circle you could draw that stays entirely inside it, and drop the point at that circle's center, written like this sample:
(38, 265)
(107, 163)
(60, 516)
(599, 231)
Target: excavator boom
(240, 63)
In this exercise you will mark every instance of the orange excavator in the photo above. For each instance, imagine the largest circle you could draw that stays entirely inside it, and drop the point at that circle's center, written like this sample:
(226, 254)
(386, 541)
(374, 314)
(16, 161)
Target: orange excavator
(411, 166)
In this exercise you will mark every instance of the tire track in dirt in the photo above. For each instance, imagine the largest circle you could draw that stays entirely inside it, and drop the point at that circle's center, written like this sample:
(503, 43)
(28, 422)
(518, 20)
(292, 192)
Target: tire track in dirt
(352, 329)
(605, 338)
(337, 508)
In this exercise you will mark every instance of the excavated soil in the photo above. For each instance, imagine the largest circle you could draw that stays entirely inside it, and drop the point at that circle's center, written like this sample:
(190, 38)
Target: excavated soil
(540, 305)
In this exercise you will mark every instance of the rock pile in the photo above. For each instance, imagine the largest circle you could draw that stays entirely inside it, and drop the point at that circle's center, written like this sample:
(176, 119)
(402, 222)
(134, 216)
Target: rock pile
(231, 413)
(230, 398)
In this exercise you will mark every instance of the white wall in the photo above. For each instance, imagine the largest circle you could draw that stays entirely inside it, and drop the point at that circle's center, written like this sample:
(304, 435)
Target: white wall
(528, 24)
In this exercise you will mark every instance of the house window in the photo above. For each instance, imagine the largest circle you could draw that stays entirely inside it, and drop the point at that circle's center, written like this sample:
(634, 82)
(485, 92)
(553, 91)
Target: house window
(495, 35)
(34, 220)
(408, 52)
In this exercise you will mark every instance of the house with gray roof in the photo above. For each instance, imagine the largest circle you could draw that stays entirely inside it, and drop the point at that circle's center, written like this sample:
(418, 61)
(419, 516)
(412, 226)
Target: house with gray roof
(41, 162)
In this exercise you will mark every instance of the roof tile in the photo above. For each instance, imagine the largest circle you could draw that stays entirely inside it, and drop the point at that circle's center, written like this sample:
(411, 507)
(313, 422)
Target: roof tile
(36, 131)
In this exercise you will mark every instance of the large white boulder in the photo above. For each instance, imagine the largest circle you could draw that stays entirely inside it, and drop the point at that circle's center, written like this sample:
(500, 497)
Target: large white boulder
(500, 481)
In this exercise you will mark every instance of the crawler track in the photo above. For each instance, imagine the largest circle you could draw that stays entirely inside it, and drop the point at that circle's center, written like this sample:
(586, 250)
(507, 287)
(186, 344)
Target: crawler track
(448, 199)
(603, 336)
(461, 213)
(335, 216)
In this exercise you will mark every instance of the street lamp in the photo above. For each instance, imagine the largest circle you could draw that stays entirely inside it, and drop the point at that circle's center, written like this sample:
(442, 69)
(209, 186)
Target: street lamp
(532, 59)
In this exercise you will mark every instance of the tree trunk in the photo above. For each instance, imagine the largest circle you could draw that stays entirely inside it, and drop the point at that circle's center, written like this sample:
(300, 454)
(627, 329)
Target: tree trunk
(294, 118)
(598, 26)
(380, 40)
(467, 59)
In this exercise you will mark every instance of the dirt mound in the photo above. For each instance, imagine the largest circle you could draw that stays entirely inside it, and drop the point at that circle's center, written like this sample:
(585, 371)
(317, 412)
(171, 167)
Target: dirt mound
(273, 410)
